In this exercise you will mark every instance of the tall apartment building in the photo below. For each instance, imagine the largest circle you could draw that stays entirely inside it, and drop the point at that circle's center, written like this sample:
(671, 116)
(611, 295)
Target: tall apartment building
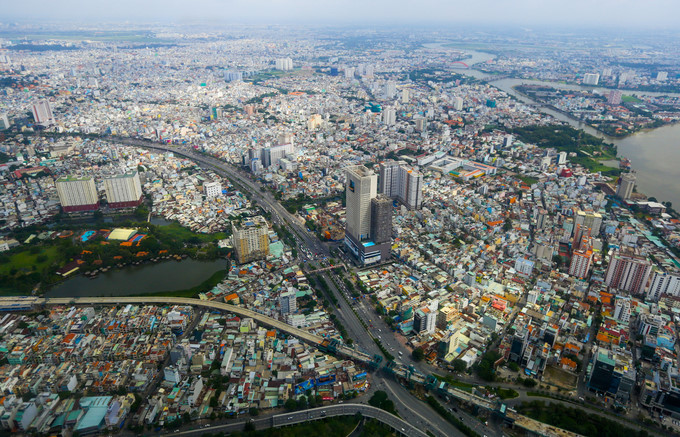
(405, 96)
(586, 224)
(425, 318)
(381, 219)
(622, 309)
(663, 283)
(524, 266)
(4, 121)
(288, 302)
(365, 233)
(42, 113)
(77, 194)
(581, 259)
(626, 185)
(614, 97)
(251, 239)
(390, 89)
(272, 155)
(362, 185)
(591, 79)
(284, 64)
(212, 189)
(561, 158)
(628, 271)
(389, 116)
(124, 191)
(401, 182)
(458, 103)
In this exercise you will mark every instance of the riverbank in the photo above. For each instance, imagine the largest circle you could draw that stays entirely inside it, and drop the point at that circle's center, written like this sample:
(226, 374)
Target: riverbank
(608, 128)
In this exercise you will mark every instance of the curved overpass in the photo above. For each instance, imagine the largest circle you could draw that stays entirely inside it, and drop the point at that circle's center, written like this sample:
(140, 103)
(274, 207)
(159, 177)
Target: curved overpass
(399, 425)
(312, 339)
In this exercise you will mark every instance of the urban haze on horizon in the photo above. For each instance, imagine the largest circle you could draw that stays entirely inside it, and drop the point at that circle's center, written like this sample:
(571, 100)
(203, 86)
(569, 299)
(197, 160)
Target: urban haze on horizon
(624, 15)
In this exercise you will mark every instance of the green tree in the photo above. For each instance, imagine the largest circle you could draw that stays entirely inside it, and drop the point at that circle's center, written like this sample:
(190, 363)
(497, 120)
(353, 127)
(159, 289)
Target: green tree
(418, 354)
(459, 365)
(290, 404)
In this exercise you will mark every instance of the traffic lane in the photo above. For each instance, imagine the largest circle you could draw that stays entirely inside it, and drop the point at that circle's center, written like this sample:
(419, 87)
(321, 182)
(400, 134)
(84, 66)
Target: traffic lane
(419, 413)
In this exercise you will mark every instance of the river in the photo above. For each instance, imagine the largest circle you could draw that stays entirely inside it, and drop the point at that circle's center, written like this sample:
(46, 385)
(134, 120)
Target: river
(655, 154)
(142, 279)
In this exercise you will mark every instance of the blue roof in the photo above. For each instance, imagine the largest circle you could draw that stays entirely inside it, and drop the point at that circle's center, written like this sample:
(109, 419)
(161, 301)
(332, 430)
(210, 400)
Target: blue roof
(96, 407)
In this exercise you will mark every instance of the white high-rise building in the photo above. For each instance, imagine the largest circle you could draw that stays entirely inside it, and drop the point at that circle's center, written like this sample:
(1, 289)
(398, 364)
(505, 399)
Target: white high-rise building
(458, 103)
(4, 122)
(124, 191)
(272, 155)
(42, 113)
(349, 73)
(662, 75)
(663, 283)
(362, 186)
(284, 64)
(389, 116)
(390, 89)
(584, 221)
(251, 239)
(524, 266)
(401, 182)
(212, 189)
(421, 124)
(77, 194)
(425, 318)
(591, 79)
(626, 185)
(405, 95)
(561, 158)
(622, 309)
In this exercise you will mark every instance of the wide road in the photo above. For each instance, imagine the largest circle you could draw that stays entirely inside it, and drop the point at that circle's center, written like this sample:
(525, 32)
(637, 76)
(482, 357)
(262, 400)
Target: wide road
(402, 426)
(308, 241)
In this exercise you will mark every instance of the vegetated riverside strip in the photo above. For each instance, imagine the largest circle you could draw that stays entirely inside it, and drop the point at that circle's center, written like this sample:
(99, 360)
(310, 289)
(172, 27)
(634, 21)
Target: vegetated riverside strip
(565, 138)
(576, 420)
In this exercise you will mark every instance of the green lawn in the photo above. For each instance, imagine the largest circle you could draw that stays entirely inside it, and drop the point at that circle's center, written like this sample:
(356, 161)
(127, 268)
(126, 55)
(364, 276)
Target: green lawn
(527, 179)
(630, 99)
(24, 260)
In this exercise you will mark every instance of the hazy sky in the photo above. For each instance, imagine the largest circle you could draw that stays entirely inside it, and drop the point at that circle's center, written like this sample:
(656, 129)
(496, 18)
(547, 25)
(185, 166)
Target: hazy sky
(607, 13)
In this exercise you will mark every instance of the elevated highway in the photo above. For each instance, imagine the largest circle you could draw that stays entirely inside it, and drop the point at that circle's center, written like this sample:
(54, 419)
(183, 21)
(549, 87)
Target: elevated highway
(408, 373)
